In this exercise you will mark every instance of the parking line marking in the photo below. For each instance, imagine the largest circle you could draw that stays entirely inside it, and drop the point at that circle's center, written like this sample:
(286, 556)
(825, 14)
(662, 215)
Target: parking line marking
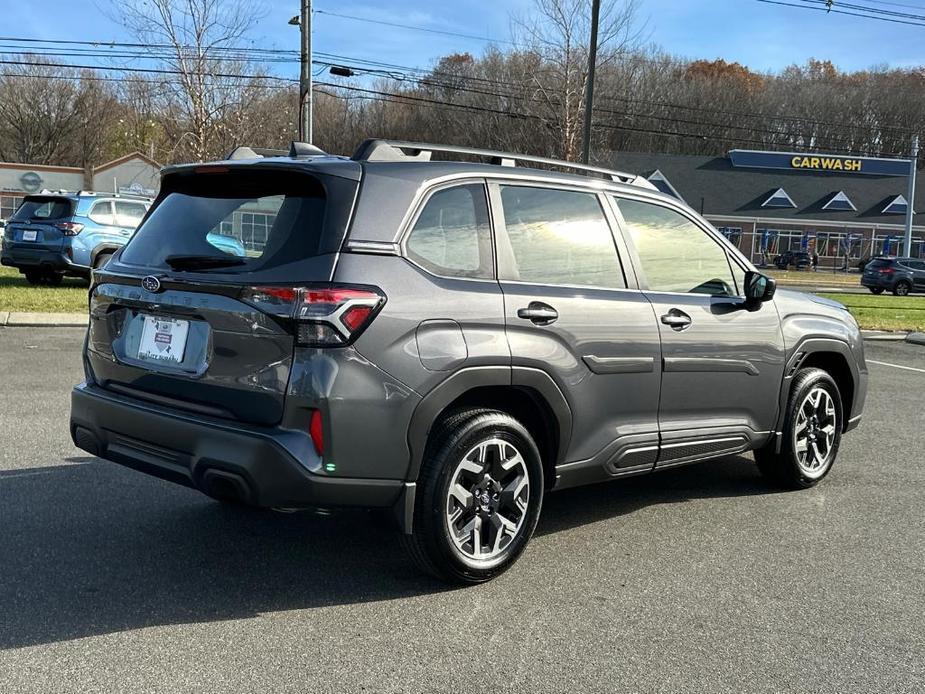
(895, 366)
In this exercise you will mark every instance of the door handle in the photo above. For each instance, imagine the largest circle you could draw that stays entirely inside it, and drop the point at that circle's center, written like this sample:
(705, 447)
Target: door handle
(539, 313)
(677, 320)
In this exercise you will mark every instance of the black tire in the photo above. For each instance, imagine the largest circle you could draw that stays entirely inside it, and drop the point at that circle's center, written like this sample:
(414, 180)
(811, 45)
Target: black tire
(784, 469)
(902, 288)
(34, 277)
(876, 290)
(101, 260)
(451, 441)
(53, 279)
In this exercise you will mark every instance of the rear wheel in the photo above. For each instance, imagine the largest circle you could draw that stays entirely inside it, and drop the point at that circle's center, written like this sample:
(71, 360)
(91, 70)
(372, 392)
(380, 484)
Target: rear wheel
(811, 435)
(902, 288)
(876, 290)
(34, 277)
(101, 260)
(53, 279)
(478, 497)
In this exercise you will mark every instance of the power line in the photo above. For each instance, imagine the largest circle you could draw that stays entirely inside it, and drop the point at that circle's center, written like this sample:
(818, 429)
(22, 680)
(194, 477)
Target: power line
(825, 8)
(413, 27)
(392, 71)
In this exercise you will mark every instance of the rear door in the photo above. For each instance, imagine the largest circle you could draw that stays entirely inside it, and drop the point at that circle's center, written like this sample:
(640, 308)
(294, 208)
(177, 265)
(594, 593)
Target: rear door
(570, 311)
(181, 321)
(722, 361)
(128, 215)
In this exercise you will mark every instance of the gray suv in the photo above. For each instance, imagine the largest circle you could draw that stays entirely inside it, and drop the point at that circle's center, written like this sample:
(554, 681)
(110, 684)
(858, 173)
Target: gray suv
(449, 340)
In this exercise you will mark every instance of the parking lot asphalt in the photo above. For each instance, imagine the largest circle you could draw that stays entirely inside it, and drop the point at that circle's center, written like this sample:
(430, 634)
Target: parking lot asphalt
(698, 579)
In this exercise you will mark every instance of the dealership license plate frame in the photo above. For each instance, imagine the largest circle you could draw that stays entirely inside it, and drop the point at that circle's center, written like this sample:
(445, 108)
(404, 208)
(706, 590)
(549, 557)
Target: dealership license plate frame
(163, 340)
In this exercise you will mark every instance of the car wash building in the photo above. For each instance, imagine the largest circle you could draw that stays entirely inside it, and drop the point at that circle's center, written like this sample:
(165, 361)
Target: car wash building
(133, 174)
(842, 208)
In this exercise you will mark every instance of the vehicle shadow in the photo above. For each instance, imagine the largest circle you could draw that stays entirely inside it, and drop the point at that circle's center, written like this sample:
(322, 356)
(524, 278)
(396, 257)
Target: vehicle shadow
(90, 548)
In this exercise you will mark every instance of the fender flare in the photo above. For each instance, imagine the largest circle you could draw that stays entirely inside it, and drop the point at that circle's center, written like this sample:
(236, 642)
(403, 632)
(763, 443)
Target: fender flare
(467, 379)
(804, 348)
(110, 248)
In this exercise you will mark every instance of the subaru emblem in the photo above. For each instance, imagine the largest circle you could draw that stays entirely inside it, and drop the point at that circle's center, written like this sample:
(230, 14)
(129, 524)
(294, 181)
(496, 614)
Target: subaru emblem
(151, 284)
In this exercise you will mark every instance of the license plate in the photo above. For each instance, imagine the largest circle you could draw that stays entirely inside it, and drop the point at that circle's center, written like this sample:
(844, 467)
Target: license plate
(163, 340)
(30, 235)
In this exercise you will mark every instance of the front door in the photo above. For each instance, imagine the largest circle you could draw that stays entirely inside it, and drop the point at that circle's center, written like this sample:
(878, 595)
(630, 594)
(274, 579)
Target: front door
(569, 312)
(722, 362)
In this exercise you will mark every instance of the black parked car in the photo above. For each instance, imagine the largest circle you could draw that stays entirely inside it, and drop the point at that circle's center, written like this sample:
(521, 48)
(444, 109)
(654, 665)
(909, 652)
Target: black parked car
(900, 275)
(798, 259)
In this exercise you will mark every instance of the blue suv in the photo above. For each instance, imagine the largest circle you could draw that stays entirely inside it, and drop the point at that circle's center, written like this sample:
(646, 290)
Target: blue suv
(58, 234)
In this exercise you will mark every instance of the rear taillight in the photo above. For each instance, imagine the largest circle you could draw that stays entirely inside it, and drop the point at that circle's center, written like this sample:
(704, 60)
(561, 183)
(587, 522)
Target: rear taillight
(70, 228)
(887, 270)
(323, 316)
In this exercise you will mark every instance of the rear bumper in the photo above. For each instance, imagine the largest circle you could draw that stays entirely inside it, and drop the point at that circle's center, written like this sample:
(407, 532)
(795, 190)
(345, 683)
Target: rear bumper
(257, 466)
(27, 258)
(877, 282)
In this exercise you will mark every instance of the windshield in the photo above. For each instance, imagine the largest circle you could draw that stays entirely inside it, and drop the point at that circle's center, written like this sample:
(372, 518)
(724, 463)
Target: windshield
(254, 219)
(41, 209)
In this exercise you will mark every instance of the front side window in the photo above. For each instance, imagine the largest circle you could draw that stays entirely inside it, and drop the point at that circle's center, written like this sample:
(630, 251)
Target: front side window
(452, 235)
(676, 255)
(558, 237)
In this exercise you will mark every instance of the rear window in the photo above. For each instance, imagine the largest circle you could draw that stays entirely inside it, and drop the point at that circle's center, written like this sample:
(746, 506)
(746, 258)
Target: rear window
(262, 218)
(40, 209)
(879, 263)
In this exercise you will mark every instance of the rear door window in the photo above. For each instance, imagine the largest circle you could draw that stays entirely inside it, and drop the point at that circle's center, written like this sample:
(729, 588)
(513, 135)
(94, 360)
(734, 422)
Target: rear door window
(263, 219)
(557, 237)
(128, 214)
(36, 209)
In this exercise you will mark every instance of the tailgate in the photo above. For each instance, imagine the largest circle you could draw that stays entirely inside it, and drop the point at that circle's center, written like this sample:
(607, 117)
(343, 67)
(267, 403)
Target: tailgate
(204, 351)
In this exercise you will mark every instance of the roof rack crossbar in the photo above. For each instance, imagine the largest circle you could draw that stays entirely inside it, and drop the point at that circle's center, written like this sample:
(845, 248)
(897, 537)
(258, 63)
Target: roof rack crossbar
(402, 150)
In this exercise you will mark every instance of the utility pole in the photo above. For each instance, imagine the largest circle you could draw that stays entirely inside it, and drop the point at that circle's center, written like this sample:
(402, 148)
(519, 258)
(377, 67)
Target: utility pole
(589, 97)
(910, 197)
(305, 75)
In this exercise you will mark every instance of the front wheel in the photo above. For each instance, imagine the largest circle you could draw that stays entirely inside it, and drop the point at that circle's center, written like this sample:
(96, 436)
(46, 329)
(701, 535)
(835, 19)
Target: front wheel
(876, 290)
(902, 288)
(478, 497)
(811, 435)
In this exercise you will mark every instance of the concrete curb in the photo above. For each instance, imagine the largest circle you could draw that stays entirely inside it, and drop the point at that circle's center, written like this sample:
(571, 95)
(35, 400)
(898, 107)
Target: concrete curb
(883, 335)
(916, 338)
(43, 320)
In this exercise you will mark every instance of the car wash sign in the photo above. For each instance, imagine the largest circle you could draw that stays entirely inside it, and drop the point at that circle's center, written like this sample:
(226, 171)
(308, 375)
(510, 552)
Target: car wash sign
(823, 163)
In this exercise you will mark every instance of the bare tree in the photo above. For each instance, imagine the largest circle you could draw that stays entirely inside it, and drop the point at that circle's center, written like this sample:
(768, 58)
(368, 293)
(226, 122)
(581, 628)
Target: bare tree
(195, 41)
(559, 34)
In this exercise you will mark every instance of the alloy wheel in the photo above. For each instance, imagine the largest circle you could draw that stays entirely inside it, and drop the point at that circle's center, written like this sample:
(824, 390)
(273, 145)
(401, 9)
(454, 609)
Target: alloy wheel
(814, 433)
(487, 500)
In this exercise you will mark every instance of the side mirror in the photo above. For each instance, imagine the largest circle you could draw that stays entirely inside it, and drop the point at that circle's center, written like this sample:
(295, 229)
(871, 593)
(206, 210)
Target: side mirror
(758, 288)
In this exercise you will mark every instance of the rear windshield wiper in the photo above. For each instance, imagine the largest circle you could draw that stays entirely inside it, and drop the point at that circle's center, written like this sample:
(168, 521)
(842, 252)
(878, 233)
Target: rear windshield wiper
(202, 262)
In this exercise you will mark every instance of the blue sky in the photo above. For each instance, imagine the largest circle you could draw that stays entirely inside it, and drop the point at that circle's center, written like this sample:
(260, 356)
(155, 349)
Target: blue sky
(762, 36)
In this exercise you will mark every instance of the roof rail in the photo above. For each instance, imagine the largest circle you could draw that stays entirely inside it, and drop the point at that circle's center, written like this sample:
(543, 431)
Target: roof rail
(400, 150)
